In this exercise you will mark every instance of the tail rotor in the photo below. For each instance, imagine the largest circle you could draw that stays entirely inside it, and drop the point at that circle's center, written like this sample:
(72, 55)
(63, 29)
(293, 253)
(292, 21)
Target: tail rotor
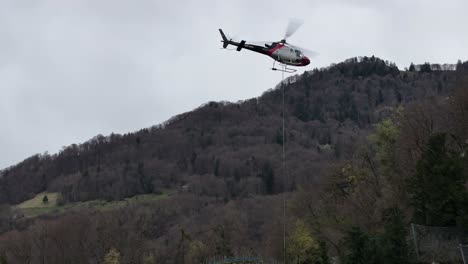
(225, 39)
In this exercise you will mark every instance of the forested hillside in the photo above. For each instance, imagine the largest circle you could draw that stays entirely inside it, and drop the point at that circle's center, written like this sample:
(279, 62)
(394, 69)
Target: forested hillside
(369, 149)
(234, 146)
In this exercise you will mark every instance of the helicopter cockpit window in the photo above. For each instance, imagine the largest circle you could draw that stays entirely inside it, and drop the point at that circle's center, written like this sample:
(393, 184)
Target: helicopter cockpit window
(298, 53)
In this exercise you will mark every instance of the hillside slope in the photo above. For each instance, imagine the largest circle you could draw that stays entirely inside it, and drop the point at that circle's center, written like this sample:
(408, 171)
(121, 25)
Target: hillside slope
(359, 185)
(233, 150)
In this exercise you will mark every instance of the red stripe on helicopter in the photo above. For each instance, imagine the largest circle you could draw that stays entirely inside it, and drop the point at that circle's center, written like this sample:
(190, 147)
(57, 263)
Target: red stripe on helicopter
(275, 48)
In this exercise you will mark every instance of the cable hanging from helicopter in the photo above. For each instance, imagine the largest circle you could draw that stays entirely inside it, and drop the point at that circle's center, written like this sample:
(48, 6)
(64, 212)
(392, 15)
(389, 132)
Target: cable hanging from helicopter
(287, 55)
(280, 51)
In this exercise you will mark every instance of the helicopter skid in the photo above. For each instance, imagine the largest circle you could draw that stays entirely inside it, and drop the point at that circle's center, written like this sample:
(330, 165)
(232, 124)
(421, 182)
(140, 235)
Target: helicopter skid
(285, 69)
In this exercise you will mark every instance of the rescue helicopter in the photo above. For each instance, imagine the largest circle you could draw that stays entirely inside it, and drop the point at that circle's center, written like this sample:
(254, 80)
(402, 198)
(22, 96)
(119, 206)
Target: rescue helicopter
(281, 51)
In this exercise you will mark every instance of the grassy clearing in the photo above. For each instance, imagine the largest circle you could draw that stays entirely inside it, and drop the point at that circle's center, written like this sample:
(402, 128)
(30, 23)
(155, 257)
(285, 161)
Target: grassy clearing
(110, 205)
(37, 202)
(35, 207)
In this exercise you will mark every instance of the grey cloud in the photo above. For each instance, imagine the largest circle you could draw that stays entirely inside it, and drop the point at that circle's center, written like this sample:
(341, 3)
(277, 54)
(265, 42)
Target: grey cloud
(70, 70)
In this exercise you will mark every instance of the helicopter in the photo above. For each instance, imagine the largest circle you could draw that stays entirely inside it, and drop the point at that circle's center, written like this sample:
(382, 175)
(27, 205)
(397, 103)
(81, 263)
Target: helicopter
(281, 51)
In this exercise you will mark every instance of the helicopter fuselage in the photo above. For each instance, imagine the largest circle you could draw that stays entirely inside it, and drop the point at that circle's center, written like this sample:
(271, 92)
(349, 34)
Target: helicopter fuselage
(278, 51)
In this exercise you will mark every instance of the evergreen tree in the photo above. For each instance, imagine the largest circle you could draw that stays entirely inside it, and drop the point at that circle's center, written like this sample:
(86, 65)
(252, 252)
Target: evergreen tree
(3, 259)
(301, 109)
(216, 167)
(437, 189)
(381, 97)
(45, 199)
(268, 176)
(426, 67)
(412, 68)
(279, 137)
(393, 247)
(323, 253)
(462, 66)
(362, 249)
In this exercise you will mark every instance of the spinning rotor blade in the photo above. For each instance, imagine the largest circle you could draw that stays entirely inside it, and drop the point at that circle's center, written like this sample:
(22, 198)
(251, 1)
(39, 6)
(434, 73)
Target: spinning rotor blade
(309, 53)
(293, 26)
(260, 43)
(306, 52)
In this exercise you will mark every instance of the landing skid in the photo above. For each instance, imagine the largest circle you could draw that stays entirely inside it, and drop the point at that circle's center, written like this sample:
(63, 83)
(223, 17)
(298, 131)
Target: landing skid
(284, 68)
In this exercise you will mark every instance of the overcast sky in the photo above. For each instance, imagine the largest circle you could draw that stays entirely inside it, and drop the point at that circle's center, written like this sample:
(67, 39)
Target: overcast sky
(72, 69)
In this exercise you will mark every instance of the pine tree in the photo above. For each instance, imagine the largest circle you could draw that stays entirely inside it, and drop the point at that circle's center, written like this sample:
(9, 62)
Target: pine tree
(362, 250)
(323, 253)
(268, 176)
(45, 199)
(426, 67)
(437, 189)
(393, 247)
